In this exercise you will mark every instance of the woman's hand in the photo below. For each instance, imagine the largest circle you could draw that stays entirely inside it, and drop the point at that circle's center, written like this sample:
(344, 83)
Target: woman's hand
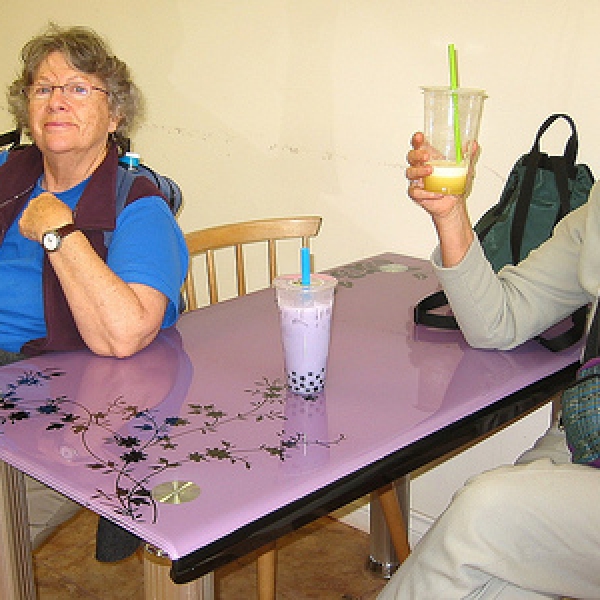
(437, 205)
(449, 213)
(43, 213)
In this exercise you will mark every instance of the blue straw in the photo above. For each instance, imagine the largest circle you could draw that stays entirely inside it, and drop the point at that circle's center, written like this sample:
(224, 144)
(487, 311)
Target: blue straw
(305, 264)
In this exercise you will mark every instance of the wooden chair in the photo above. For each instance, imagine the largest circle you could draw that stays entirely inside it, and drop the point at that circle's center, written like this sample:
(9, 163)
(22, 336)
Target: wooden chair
(237, 236)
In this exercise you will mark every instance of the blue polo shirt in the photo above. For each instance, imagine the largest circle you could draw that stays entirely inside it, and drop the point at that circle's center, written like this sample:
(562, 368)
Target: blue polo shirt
(147, 247)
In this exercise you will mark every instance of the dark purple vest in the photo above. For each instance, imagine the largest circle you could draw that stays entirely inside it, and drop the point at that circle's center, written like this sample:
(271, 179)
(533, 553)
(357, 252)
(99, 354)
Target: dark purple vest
(95, 214)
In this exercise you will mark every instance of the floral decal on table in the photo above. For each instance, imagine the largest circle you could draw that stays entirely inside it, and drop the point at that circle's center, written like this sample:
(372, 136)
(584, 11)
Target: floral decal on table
(345, 275)
(132, 492)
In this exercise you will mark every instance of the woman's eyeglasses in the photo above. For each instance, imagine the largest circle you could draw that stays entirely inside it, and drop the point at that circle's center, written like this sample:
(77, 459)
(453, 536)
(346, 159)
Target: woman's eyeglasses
(71, 91)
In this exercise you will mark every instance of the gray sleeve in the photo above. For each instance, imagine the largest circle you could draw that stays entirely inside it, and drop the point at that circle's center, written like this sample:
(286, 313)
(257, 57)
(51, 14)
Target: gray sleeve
(506, 309)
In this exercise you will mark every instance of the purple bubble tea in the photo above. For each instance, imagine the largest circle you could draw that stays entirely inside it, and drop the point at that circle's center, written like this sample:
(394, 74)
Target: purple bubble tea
(305, 312)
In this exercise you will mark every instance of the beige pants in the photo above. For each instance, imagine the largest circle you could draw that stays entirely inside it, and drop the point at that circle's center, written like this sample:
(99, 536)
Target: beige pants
(46, 509)
(528, 531)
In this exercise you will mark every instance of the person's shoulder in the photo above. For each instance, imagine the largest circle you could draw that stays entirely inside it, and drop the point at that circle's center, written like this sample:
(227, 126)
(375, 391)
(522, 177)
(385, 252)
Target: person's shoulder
(157, 204)
(147, 212)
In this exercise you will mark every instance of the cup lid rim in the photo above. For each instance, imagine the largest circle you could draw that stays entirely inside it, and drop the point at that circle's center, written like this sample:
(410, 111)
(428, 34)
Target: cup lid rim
(448, 89)
(294, 281)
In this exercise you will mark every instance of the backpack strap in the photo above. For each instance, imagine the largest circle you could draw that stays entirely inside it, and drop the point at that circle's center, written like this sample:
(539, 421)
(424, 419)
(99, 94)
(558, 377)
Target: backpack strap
(572, 145)
(10, 138)
(148, 182)
(592, 345)
(561, 166)
(125, 179)
(566, 339)
(517, 232)
(423, 314)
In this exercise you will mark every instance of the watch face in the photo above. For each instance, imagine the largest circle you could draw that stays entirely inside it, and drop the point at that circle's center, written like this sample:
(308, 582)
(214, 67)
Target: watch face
(51, 241)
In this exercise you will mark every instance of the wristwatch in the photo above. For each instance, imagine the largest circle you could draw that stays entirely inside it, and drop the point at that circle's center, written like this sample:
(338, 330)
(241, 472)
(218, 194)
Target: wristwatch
(52, 239)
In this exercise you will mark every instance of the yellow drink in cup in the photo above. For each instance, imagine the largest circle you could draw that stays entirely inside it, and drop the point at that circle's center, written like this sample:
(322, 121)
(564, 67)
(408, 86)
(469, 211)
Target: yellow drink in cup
(447, 178)
(451, 127)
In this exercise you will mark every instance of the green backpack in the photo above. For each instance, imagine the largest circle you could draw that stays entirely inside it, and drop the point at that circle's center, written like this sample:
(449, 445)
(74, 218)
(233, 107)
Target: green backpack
(539, 192)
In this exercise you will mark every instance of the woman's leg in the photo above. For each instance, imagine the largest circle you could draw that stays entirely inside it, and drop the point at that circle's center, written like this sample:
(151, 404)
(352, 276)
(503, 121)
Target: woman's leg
(528, 531)
(46, 509)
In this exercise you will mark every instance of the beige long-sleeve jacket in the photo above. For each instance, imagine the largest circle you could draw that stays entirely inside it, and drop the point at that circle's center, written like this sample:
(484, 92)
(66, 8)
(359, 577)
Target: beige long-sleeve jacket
(504, 310)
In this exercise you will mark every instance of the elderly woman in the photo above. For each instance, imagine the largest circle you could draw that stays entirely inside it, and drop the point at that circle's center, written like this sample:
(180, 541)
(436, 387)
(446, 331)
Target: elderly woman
(62, 288)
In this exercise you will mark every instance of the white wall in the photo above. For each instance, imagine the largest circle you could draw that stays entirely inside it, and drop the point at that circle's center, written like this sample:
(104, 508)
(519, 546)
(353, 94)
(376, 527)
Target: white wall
(278, 107)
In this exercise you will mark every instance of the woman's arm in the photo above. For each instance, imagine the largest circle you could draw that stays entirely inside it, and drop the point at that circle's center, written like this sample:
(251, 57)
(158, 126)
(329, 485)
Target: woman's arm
(114, 318)
(506, 309)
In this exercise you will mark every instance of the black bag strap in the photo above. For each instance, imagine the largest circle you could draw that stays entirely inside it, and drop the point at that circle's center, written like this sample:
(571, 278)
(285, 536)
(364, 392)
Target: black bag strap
(561, 166)
(517, 231)
(10, 138)
(592, 345)
(572, 145)
(564, 340)
(423, 314)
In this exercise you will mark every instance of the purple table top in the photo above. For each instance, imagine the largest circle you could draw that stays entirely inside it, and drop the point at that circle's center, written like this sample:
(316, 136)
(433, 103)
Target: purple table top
(204, 405)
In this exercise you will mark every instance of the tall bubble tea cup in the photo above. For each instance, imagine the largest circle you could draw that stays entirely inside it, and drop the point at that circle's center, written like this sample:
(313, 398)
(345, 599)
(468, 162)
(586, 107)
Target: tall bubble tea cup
(305, 312)
(452, 119)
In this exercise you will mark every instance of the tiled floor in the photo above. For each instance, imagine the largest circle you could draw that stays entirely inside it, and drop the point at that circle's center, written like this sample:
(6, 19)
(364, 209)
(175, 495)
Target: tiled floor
(324, 561)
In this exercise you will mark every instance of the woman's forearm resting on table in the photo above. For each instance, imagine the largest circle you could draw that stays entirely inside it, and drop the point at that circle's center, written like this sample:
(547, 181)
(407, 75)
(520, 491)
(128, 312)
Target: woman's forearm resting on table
(113, 317)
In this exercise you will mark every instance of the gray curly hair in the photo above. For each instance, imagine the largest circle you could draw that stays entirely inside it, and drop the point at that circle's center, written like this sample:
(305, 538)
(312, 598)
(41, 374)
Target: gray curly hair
(85, 51)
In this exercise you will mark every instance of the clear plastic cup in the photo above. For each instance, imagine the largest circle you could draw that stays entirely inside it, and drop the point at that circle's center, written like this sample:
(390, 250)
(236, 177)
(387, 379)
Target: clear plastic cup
(305, 313)
(452, 118)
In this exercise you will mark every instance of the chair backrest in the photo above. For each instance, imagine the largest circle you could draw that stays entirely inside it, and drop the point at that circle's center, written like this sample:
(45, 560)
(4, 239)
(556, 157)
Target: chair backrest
(236, 235)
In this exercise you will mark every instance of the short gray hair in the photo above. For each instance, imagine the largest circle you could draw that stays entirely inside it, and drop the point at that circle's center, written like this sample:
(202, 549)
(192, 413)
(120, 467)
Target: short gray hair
(87, 52)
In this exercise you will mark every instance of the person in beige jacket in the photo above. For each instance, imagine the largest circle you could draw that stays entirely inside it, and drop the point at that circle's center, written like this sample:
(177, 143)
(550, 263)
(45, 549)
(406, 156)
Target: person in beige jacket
(531, 530)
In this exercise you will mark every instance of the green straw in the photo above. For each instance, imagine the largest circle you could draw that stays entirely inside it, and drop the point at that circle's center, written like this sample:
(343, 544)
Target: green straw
(456, 116)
